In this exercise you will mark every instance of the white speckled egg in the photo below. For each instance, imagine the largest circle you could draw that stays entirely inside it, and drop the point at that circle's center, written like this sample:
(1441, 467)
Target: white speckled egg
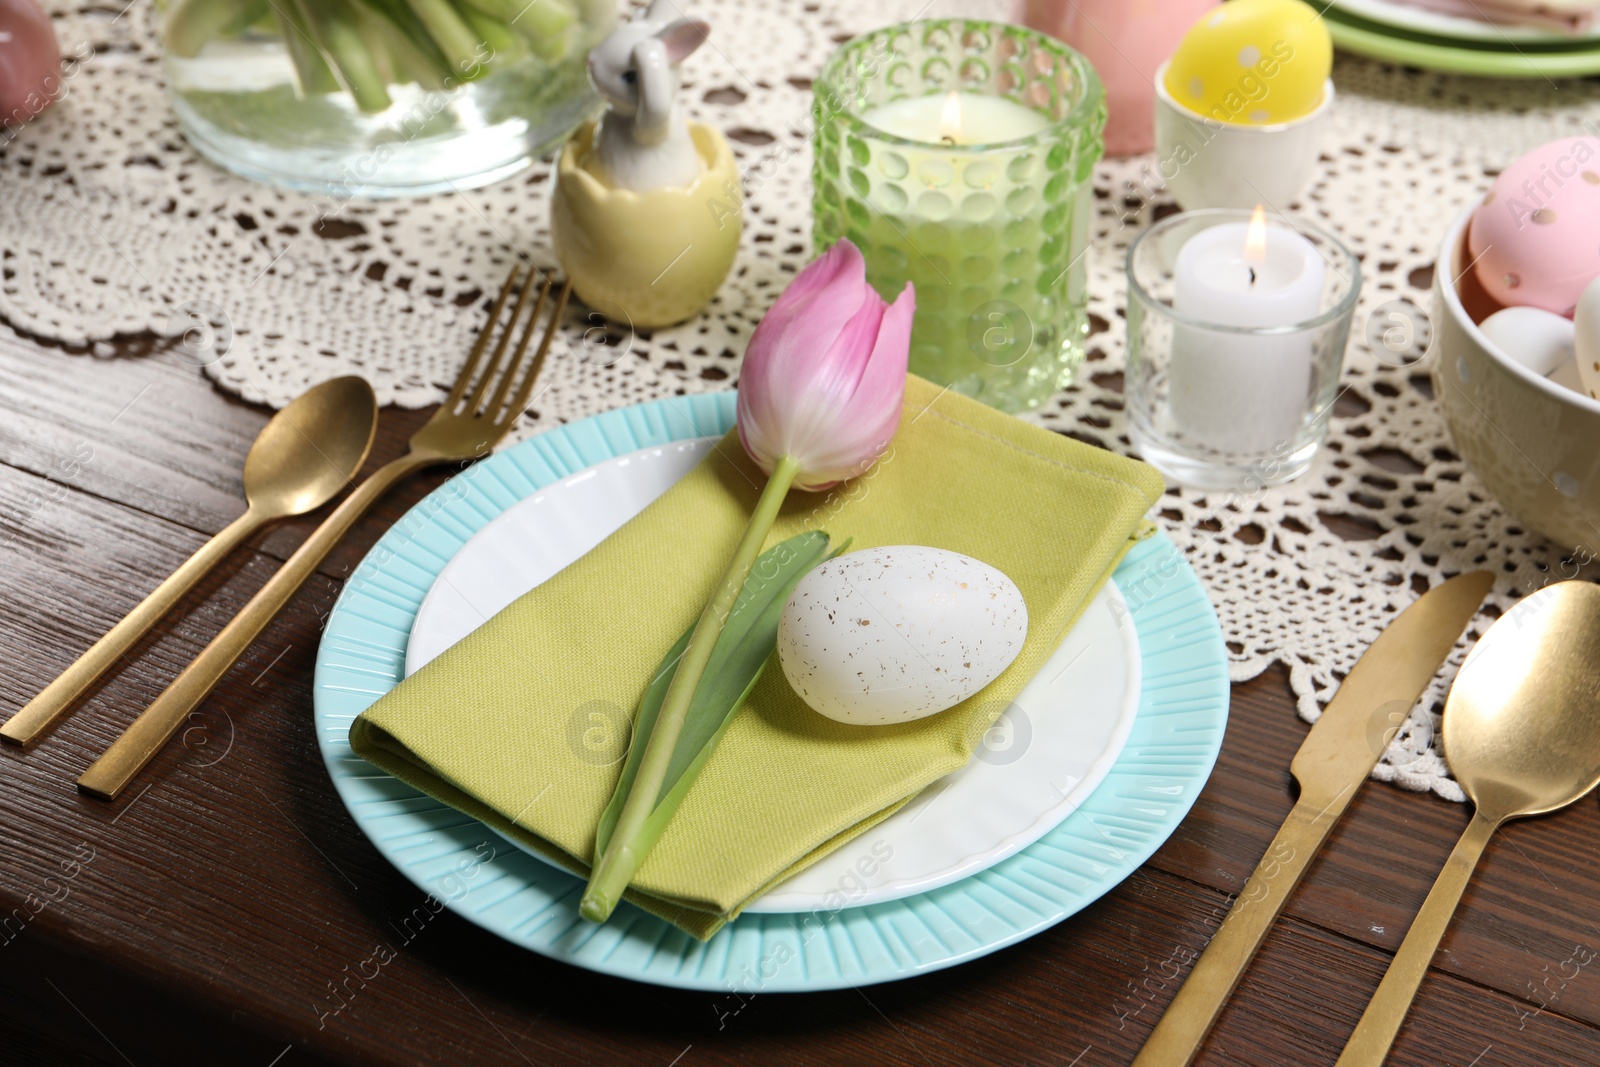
(888, 635)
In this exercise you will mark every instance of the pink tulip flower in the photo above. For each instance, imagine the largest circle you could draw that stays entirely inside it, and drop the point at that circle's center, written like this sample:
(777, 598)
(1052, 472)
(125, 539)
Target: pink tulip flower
(825, 372)
(30, 61)
(819, 400)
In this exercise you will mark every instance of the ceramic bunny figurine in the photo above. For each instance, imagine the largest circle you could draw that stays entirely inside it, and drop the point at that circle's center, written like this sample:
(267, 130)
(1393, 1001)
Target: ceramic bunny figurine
(641, 143)
(647, 208)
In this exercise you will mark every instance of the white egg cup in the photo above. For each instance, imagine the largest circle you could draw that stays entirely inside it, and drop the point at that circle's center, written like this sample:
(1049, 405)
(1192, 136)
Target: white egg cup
(1206, 163)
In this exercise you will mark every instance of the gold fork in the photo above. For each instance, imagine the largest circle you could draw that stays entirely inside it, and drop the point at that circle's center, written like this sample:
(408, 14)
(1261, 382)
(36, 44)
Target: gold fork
(480, 410)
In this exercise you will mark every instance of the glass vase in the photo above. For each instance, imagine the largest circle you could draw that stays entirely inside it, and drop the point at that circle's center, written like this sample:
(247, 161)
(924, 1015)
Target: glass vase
(353, 98)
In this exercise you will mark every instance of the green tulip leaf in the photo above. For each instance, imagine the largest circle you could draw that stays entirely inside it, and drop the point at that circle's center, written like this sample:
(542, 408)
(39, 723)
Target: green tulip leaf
(742, 651)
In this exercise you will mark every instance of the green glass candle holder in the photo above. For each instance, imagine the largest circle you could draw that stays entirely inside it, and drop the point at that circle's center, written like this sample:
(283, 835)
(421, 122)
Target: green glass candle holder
(994, 233)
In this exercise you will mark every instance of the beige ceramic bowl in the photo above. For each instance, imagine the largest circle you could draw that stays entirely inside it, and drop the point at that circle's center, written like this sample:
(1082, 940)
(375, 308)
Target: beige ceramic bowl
(1534, 443)
(647, 259)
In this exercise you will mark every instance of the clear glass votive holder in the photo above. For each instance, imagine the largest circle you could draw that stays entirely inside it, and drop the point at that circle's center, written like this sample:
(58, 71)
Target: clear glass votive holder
(1233, 357)
(993, 233)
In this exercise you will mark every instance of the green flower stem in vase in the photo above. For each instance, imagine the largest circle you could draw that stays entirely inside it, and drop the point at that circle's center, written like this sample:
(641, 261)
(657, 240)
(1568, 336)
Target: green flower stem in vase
(380, 97)
(959, 156)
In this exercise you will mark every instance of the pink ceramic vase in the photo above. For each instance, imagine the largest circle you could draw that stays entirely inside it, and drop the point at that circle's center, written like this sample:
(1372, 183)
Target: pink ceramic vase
(1125, 40)
(30, 61)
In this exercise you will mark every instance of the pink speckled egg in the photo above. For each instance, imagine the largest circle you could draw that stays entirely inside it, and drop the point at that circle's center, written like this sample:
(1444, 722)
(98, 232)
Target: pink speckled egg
(1535, 239)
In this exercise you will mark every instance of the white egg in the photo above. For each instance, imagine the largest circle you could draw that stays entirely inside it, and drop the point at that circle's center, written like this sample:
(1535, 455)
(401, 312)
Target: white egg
(1538, 339)
(888, 635)
(1586, 330)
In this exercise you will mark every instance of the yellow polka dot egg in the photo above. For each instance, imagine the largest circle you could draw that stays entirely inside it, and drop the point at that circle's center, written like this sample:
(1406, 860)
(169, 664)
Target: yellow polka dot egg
(1253, 63)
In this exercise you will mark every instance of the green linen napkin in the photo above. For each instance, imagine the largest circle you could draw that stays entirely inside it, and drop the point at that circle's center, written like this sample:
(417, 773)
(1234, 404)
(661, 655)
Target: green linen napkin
(486, 726)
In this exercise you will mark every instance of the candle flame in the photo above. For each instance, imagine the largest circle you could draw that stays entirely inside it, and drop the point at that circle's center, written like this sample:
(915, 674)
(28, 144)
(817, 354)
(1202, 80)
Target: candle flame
(1255, 238)
(950, 120)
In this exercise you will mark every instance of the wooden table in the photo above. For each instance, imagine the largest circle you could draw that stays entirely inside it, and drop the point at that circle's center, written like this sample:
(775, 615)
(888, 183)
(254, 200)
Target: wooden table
(211, 915)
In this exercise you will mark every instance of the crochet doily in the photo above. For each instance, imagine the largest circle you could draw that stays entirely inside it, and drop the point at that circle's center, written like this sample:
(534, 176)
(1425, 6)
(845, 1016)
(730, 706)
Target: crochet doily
(115, 229)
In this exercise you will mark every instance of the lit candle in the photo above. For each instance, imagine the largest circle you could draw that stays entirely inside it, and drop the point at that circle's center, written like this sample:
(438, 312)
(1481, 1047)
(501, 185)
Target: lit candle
(970, 231)
(956, 119)
(980, 196)
(1235, 392)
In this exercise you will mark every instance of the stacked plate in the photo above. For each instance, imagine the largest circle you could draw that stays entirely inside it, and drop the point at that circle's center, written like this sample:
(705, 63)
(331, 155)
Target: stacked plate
(1400, 33)
(1081, 778)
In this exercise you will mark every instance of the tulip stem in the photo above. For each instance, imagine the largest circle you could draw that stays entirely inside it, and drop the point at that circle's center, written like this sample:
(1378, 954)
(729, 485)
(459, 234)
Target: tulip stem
(626, 851)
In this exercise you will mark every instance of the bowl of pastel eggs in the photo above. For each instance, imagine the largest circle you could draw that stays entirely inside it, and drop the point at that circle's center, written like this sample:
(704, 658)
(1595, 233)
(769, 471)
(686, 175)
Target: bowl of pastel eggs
(1516, 366)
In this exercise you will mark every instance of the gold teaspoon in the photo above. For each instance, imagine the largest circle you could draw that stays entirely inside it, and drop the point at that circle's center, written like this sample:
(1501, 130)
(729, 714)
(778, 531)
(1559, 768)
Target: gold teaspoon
(307, 453)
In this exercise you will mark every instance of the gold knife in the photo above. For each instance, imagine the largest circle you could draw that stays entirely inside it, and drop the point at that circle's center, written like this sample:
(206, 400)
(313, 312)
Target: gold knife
(1335, 758)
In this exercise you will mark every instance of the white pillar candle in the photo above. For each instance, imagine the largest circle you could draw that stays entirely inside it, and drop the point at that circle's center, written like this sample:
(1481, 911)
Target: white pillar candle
(956, 118)
(1243, 393)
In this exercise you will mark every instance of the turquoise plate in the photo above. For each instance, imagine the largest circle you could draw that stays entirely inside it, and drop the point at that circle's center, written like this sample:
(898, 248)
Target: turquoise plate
(1176, 733)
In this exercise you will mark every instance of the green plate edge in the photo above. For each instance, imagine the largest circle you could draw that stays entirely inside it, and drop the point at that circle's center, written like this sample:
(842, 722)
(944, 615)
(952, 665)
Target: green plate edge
(1363, 37)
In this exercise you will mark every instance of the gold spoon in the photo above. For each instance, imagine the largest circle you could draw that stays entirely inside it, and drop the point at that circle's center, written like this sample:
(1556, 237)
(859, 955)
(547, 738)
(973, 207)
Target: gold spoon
(1522, 733)
(307, 453)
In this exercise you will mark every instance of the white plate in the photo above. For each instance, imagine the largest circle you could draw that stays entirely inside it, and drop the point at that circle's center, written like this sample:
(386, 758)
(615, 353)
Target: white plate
(1043, 757)
(1456, 27)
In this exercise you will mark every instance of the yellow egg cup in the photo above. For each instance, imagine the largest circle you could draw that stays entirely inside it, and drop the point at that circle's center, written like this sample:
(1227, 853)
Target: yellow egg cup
(647, 259)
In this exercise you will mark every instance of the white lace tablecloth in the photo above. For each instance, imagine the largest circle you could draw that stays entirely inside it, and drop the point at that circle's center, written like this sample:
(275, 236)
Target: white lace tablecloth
(111, 227)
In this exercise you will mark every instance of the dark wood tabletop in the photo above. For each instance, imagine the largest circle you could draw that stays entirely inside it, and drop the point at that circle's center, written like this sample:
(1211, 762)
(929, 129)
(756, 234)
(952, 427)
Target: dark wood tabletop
(211, 915)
